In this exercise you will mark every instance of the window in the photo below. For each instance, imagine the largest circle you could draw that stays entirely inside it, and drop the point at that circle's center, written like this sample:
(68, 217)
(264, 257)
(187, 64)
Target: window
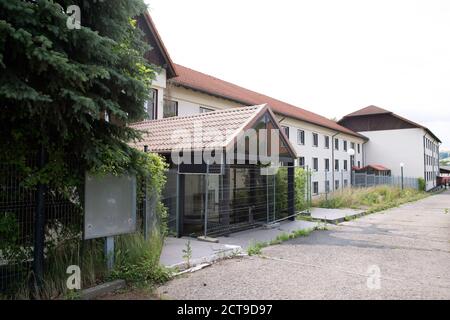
(327, 186)
(327, 142)
(285, 130)
(359, 148)
(315, 164)
(359, 164)
(336, 165)
(151, 106)
(345, 145)
(170, 108)
(336, 184)
(301, 162)
(316, 187)
(336, 144)
(345, 165)
(352, 145)
(315, 140)
(345, 183)
(205, 110)
(300, 136)
(327, 164)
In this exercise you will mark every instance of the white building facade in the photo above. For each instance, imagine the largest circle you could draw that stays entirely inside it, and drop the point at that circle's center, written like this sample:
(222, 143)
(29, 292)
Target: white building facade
(395, 142)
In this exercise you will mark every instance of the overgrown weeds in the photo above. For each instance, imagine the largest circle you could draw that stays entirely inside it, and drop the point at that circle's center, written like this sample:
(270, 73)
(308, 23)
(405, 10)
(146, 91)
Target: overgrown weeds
(371, 199)
(137, 261)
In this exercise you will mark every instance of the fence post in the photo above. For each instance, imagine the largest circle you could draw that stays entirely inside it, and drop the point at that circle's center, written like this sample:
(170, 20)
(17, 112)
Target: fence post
(206, 198)
(145, 210)
(267, 196)
(291, 191)
(39, 228)
(274, 196)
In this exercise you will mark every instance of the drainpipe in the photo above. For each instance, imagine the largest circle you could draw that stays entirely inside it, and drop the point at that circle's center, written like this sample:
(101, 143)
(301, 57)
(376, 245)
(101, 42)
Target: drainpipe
(332, 159)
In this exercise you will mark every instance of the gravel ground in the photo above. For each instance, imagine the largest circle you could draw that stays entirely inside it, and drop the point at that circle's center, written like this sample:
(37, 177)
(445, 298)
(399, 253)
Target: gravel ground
(409, 245)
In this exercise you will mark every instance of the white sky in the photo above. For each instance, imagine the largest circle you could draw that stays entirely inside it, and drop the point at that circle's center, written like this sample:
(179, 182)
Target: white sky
(330, 57)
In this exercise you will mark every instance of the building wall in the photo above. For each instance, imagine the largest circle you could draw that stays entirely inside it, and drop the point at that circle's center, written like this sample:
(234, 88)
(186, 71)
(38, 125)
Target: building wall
(392, 147)
(190, 102)
(431, 160)
(309, 151)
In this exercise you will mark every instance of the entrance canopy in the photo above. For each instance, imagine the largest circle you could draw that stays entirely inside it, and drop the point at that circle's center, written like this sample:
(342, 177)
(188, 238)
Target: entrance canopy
(206, 198)
(232, 131)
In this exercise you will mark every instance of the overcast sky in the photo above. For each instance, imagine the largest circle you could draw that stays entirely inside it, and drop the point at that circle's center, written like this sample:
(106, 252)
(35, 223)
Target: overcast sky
(330, 57)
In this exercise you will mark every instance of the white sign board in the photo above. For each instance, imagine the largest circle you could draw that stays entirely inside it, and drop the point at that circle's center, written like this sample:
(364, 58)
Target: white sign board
(110, 206)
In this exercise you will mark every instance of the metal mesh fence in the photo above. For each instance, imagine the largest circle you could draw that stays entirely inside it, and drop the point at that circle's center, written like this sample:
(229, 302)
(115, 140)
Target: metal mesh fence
(323, 183)
(364, 180)
(240, 198)
(64, 244)
(63, 212)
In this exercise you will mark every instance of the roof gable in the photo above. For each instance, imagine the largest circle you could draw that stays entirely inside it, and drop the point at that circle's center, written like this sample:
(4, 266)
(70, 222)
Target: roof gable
(158, 55)
(373, 118)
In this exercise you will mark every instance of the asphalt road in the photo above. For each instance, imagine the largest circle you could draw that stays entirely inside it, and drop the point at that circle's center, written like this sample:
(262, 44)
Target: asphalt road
(401, 253)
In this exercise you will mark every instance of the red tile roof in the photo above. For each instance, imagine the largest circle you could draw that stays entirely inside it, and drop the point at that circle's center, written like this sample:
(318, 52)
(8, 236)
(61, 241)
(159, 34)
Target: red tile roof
(205, 83)
(377, 167)
(218, 130)
(368, 111)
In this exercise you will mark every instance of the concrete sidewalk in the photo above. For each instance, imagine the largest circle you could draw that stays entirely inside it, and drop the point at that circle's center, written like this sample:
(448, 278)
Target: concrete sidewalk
(335, 216)
(406, 249)
(235, 243)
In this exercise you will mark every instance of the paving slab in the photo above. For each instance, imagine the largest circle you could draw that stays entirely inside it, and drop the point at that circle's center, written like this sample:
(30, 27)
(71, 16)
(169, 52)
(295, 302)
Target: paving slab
(202, 252)
(235, 243)
(335, 216)
(245, 239)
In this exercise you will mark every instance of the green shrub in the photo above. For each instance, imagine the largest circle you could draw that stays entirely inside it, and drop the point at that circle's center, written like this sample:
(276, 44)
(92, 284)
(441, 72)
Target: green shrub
(300, 197)
(422, 184)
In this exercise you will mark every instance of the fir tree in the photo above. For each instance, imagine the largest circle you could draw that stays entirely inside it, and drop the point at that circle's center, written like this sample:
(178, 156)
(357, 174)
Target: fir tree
(57, 83)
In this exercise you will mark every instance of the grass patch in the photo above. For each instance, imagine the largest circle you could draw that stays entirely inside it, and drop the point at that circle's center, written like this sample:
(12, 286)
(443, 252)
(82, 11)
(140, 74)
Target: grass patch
(256, 247)
(371, 199)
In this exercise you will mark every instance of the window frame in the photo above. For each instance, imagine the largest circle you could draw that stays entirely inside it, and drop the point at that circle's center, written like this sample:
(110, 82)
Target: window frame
(326, 142)
(314, 162)
(154, 104)
(300, 137)
(285, 131)
(164, 108)
(315, 139)
(315, 185)
(206, 109)
(299, 162)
